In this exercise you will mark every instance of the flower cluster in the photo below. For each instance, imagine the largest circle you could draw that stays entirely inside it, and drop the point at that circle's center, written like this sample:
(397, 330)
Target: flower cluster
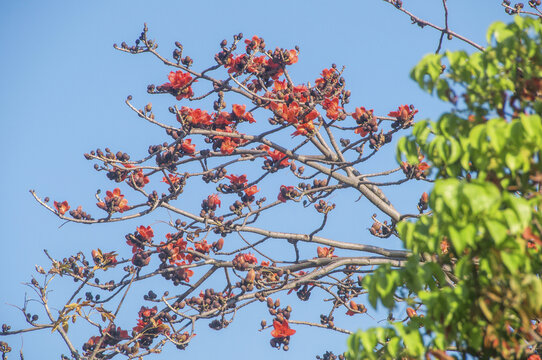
(111, 336)
(179, 85)
(143, 236)
(242, 261)
(287, 193)
(366, 121)
(404, 115)
(114, 202)
(415, 171)
(148, 327)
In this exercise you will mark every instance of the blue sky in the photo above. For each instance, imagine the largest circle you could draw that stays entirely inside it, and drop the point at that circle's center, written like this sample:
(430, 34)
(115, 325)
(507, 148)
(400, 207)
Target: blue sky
(63, 92)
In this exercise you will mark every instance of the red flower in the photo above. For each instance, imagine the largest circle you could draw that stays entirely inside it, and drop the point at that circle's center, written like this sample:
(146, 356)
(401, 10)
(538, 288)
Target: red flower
(146, 232)
(290, 112)
(265, 263)
(404, 113)
(239, 110)
(534, 357)
(291, 57)
(179, 84)
(249, 258)
(62, 207)
(175, 249)
(196, 117)
(422, 164)
(172, 179)
(324, 252)
(301, 92)
(361, 131)
(284, 192)
(202, 247)
(114, 201)
(184, 273)
(251, 190)
(332, 108)
(228, 146)
(139, 179)
(213, 201)
(279, 158)
(280, 85)
(235, 64)
(304, 129)
(223, 119)
(249, 118)
(188, 147)
(362, 114)
(281, 329)
(327, 74)
(237, 180)
(253, 43)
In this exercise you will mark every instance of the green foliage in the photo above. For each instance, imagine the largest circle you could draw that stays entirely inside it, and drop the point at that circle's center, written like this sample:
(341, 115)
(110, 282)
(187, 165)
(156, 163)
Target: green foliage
(474, 272)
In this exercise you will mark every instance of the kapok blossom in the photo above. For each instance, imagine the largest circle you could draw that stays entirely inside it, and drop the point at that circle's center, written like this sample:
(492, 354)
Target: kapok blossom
(281, 329)
(188, 147)
(237, 180)
(62, 207)
(171, 179)
(251, 190)
(114, 201)
(179, 84)
(404, 113)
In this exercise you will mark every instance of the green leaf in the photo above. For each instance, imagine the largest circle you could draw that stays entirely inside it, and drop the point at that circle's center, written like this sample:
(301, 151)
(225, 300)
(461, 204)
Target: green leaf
(497, 230)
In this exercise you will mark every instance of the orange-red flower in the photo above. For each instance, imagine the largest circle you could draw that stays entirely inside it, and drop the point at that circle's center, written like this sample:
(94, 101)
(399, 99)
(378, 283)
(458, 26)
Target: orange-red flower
(278, 158)
(291, 57)
(327, 74)
(324, 252)
(114, 201)
(404, 113)
(188, 147)
(304, 129)
(280, 85)
(284, 192)
(281, 329)
(172, 179)
(361, 131)
(179, 84)
(222, 119)
(228, 146)
(139, 179)
(251, 190)
(239, 110)
(202, 247)
(184, 273)
(146, 232)
(253, 43)
(237, 180)
(213, 201)
(422, 165)
(196, 117)
(362, 114)
(62, 207)
(332, 108)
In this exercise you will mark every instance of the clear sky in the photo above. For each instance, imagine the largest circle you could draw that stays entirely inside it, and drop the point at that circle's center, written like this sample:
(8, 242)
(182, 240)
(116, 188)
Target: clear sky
(62, 95)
